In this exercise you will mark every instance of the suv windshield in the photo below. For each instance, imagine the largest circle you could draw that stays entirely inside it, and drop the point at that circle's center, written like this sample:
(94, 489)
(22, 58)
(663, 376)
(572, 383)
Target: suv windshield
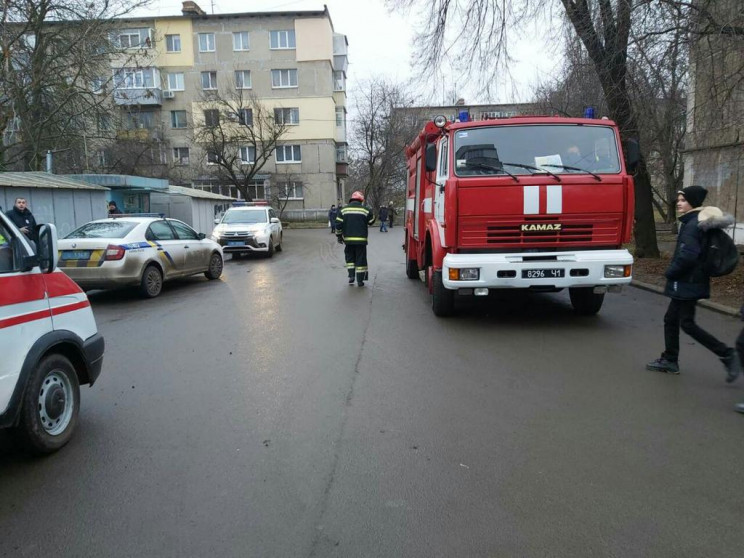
(106, 229)
(245, 216)
(559, 148)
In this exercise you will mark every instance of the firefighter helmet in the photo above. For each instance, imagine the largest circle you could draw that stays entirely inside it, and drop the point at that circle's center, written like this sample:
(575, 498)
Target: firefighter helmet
(358, 196)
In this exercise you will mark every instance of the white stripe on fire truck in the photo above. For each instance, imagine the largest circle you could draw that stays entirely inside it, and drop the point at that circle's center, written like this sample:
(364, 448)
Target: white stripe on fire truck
(531, 200)
(555, 199)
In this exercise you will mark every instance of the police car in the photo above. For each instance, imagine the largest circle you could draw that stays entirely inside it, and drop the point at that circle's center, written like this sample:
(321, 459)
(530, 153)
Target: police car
(247, 228)
(141, 251)
(49, 342)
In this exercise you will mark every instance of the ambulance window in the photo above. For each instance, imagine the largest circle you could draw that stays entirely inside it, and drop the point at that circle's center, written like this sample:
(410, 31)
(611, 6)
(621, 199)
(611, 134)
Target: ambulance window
(160, 230)
(6, 252)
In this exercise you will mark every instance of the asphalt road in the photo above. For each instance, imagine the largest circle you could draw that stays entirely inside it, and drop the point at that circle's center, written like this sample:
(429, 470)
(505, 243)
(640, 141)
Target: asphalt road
(280, 413)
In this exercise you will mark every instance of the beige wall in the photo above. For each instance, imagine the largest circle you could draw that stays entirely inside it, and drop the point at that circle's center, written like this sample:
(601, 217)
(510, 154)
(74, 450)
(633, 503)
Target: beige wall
(314, 39)
(181, 27)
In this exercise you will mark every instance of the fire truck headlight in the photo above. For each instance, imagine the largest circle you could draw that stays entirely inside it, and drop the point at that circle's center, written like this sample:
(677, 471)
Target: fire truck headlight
(440, 121)
(464, 274)
(616, 271)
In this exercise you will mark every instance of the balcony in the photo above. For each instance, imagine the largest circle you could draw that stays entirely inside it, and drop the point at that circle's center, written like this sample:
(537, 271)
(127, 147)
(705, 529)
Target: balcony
(151, 96)
(140, 134)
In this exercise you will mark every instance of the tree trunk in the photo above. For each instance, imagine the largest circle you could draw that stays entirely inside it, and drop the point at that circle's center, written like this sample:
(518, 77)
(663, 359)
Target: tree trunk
(644, 228)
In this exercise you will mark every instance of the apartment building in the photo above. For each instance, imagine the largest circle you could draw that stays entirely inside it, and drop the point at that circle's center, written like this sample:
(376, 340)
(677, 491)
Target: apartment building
(292, 63)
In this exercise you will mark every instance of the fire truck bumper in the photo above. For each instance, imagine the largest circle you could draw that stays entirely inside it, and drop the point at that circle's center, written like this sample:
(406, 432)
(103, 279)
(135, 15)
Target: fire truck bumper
(541, 270)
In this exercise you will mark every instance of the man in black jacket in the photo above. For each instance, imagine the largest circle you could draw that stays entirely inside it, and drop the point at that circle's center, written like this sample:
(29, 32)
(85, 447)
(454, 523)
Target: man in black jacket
(352, 225)
(23, 219)
(687, 282)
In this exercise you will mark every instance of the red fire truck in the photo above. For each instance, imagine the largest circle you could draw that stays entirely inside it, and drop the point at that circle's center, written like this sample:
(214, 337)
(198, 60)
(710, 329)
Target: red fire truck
(540, 203)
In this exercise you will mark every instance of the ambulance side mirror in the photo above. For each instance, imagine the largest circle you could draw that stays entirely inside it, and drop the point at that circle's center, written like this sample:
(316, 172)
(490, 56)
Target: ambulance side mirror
(47, 249)
(431, 157)
(632, 154)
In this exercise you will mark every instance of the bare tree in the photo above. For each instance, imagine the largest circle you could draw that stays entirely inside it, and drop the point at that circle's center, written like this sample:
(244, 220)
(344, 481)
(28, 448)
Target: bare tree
(238, 134)
(378, 137)
(56, 65)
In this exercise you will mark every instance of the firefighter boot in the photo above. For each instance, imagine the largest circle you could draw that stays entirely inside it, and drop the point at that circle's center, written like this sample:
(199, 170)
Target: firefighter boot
(351, 276)
(360, 277)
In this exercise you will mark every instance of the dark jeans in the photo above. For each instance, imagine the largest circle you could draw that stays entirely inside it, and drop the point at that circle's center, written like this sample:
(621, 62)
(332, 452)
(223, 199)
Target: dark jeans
(681, 314)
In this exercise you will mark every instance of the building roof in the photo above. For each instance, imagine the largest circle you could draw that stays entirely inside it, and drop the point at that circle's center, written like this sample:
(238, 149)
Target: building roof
(123, 181)
(195, 193)
(44, 180)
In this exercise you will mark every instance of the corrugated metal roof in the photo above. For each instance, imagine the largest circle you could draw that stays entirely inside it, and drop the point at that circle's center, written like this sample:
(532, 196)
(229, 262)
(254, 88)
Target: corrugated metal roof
(194, 193)
(44, 180)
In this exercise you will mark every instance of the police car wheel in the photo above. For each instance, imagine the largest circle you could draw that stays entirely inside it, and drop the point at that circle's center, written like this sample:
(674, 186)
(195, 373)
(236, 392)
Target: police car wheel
(215, 267)
(51, 403)
(279, 246)
(152, 282)
(270, 251)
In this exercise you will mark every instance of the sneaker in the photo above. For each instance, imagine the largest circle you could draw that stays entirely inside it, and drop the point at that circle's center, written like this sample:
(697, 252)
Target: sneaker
(663, 365)
(733, 365)
(739, 407)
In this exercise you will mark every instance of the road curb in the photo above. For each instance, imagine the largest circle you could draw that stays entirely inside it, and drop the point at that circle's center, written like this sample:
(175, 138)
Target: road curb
(723, 309)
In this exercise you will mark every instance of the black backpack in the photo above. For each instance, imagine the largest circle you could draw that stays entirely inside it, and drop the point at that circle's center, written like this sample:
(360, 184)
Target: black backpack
(720, 255)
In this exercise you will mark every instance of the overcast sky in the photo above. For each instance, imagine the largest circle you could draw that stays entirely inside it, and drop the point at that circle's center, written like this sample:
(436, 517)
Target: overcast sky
(380, 43)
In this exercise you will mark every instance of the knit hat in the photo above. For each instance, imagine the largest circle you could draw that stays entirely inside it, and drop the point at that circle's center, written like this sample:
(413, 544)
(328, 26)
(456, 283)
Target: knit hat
(695, 195)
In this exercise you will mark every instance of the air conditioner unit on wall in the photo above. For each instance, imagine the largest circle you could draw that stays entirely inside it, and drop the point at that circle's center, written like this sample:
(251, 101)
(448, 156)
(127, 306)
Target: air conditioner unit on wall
(169, 94)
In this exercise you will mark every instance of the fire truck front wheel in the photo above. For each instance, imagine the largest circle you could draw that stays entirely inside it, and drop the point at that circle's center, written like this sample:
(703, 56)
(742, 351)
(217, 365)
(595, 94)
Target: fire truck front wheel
(50, 406)
(411, 264)
(585, 301)
(442, 300)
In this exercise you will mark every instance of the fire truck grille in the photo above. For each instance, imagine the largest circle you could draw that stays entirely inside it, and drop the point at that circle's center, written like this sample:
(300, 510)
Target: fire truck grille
(544, 232)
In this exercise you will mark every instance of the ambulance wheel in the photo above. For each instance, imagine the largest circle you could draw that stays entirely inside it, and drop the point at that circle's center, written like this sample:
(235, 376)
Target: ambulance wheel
(152, 282)
(215, 267)
(270, 251)
(50, 406)
(281, 242)
(442, 300)
(585, 301)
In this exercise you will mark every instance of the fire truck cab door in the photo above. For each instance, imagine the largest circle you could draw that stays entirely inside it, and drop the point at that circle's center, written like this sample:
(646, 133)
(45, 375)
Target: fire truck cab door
(442, 173)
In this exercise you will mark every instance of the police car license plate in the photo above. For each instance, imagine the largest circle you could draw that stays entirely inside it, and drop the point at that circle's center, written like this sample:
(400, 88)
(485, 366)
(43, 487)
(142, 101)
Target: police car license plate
(76, 255)
(542, 273)
(235, 243)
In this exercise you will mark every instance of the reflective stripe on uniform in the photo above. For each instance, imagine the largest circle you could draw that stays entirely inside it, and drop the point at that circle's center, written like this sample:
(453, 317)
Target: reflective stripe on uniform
(354, 238)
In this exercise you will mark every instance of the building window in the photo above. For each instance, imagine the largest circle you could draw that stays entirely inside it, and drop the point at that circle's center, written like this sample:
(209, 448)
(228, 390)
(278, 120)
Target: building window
(211, 117)
(287, 115)
(181, 155)
(134, 78)
(245, 116)
(175, 81)
(209, 80)
(339, 81)
(139, 120)
(248, 155)
(240, 41)
(173, 43)
(134, 38)
(282, 39)
(256, 190)
(341, 154)
(290, 190)
(213, 158)
(104, 122)
(206, 42)
(102, 158)
(178, 119)
(289, 154)
(97, 85)
(283, 78)
(340, 116)
(242, 79)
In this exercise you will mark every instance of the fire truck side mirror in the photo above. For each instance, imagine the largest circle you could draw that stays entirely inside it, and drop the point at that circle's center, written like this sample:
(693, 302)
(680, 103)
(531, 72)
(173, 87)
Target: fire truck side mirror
(431, 157)
(632, 154)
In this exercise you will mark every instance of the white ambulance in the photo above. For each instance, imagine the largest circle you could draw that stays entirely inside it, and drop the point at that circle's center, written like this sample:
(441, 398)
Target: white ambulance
(49, 343)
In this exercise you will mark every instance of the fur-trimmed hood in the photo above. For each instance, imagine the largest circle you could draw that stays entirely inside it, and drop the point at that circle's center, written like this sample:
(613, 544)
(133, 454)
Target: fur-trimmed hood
(710, 217)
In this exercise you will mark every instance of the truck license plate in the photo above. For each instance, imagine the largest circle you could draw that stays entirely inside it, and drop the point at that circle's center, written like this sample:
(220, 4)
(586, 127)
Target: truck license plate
(542, 273)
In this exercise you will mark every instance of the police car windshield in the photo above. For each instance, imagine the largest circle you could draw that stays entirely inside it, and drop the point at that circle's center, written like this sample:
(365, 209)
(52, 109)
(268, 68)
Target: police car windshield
(106, 229)
(532, 149)
(245, 216)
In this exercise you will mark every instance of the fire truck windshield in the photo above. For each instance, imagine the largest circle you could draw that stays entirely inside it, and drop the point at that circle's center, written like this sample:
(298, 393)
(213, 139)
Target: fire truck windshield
(536, 148)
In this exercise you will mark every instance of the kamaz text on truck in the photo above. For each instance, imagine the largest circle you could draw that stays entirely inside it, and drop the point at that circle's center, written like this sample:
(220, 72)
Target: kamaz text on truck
(540, 203)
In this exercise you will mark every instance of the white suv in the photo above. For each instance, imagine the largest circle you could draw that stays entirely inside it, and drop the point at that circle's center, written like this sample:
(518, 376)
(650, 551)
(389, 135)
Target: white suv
(249, 228)
(49, 342)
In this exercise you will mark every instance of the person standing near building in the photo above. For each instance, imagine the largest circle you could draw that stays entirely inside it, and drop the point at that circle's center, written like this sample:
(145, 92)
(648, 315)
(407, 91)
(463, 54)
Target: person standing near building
(687, 282)
(352, 226)
(113, 209)
(23, 219)
(391, 213)
(332, 214)
(383, 216)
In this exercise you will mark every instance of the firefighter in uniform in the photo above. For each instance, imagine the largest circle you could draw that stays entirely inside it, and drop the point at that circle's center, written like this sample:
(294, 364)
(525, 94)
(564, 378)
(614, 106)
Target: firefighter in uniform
(351, 229)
